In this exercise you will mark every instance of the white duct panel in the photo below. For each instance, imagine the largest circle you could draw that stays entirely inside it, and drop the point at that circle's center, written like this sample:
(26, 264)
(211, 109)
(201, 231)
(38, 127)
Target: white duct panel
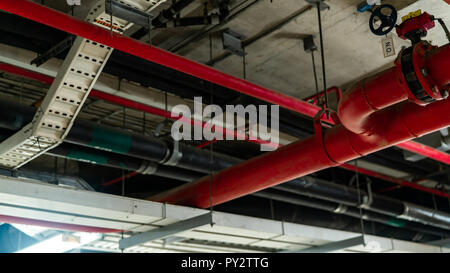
(20, 192)
(279, 245)
(22, 198)
(217, 237)
(244, 226)
(63, 218)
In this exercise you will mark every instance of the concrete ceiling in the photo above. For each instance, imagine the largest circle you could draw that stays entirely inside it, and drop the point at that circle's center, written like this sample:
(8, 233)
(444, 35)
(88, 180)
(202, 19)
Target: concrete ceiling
(278, 60)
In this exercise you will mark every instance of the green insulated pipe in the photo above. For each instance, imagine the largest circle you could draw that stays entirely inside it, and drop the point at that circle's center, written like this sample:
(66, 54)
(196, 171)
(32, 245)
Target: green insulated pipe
(114, 160)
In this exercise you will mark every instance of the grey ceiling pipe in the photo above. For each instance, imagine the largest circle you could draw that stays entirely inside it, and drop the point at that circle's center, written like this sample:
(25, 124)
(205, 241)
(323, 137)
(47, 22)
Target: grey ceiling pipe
(317, 188)
(350, 211)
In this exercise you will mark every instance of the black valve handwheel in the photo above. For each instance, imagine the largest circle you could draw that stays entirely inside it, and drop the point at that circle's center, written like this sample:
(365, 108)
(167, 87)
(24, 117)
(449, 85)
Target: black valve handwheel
(388, 22)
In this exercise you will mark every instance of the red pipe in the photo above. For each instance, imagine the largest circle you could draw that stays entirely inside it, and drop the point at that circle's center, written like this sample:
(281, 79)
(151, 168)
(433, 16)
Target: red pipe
(409, 145)
(425, 150)
(358, 104)
(398, 181)
(162, 113)
(54, 225)
(130, 104)
(123, 43)
(119, 179)
(159, 112)
(311, 155)
(206, 143)
(364, 99)
(337, 145)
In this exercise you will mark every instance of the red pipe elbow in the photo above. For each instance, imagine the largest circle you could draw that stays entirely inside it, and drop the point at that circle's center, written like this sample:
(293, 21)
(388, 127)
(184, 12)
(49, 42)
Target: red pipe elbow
(357, 106)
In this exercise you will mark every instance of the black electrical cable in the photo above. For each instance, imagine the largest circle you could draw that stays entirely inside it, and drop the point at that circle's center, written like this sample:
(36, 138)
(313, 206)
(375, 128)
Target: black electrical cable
(447, 33)
(211, 154)
(243, 64)
(323, 57)
(359, 200)
(315, 77)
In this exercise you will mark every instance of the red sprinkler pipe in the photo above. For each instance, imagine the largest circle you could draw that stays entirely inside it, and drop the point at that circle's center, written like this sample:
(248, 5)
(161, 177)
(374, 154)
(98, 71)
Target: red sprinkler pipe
(426, 151)
(400, 182)
(159, 112)
(428, 70)
(313, 154)
(123, 43)
(132, 104)
(54, 225)
(204, 144)
(337, 145)
(119, 179)
(72, 25)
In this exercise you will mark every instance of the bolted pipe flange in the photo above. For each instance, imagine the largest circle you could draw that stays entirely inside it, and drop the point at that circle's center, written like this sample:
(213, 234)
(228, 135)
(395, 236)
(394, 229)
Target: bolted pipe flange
(421, 88)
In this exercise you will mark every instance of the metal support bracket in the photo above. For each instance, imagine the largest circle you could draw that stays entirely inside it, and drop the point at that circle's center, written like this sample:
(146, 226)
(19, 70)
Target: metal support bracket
(232, 41)
(165, 231)
(54, 51)
(128, 13)
(321, 3)
(334, 246)
(175, 156)
(367, 200)
(171, 240)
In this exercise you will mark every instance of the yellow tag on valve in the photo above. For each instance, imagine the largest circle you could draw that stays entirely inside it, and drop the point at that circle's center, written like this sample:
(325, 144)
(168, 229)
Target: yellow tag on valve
(412, 15)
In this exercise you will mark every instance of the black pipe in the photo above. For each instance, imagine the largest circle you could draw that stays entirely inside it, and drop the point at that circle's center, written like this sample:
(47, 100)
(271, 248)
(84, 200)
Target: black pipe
(349, 211)
(110, 139)
(113, 160)
(317, 188)
(322, 189)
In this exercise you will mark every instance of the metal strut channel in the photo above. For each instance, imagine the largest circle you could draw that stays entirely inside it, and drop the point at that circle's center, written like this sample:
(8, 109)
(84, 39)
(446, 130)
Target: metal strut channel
(68, 92)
